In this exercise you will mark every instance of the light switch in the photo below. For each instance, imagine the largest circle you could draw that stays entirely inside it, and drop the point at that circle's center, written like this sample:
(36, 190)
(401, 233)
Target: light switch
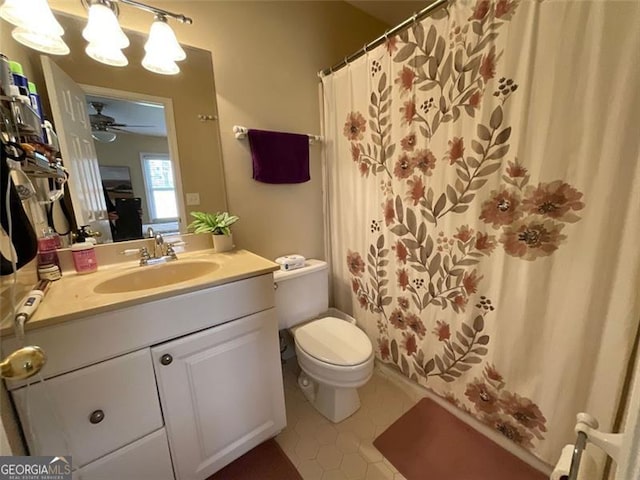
(193, 199)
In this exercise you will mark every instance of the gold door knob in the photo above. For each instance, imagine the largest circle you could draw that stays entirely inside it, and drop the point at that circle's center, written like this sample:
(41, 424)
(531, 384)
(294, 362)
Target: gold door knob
(23, 363)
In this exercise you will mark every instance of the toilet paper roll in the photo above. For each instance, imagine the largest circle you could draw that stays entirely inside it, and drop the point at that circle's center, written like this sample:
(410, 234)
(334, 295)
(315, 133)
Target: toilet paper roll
(588, 470)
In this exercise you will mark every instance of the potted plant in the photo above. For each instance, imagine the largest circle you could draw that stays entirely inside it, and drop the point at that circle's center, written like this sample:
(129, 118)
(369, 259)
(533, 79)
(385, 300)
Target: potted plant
(218, 224)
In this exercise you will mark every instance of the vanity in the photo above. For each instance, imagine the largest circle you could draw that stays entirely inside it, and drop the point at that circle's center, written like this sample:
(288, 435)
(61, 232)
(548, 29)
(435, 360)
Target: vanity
(169, 381)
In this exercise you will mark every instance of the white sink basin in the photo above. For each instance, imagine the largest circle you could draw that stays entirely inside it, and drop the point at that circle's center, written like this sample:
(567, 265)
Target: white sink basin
(156, 276)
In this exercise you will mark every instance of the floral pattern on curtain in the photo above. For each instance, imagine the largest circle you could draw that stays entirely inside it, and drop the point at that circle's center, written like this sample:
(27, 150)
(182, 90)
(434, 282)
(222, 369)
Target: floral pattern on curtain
(433, 147)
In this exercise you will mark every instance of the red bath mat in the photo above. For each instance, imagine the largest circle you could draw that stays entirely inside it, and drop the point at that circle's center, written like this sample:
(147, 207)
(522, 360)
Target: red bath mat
(429, 443)
(265, 462)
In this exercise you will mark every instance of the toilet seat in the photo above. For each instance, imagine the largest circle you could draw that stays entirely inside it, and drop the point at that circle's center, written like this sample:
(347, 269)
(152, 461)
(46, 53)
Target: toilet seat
(334, 341)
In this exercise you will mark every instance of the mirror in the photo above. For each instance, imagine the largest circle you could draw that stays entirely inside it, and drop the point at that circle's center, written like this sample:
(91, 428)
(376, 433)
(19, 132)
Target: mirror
(194, 153)
(136, 168)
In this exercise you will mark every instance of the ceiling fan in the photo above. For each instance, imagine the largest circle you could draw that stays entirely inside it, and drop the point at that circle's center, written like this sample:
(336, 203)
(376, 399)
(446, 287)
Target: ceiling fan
(104, 127)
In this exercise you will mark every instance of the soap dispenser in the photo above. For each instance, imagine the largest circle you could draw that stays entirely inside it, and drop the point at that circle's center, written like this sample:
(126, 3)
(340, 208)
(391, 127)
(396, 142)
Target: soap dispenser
(84, 253)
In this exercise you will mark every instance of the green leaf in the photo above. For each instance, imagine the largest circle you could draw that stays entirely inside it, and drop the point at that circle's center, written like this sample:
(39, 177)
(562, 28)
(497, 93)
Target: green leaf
(503, 136)
(429, 366)
(451, 194)
(499, 152)
(405, 52)
(488, 170)
(411, 221)
(394, 351)
(496, 117)
(439, 363)
(483, 132)
(467, 330)
(399, 230)
(434, 264)
(439, 206)
(478, 323)
(399, 209)
(477, 147)
(431, 39)
(404, 365)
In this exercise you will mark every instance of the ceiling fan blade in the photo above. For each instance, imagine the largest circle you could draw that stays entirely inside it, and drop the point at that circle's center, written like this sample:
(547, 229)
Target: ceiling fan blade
(130, 126)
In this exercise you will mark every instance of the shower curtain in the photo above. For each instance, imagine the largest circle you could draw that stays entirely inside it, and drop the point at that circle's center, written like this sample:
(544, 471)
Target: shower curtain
(483, 207)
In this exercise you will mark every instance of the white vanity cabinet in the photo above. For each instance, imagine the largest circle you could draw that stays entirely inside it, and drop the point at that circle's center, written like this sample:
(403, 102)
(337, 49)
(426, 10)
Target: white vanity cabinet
(175, 388)
(221, 393)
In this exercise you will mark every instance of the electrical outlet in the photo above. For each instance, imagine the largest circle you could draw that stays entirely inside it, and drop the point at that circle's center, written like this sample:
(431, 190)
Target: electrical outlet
(193, 199)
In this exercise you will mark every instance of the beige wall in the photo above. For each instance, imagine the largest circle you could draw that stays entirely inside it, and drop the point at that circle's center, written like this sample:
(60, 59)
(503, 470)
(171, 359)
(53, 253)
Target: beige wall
(125, 151)
(265, 57)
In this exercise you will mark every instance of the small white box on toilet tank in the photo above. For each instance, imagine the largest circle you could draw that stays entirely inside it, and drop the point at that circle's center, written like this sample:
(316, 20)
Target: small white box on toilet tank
(301, 294)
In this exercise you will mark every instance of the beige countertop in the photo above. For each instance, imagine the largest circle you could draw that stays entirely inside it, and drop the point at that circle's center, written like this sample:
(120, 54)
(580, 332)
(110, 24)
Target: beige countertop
(73, 295)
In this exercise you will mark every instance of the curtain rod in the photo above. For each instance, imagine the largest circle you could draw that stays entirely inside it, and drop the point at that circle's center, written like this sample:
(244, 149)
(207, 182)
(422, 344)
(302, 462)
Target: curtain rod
(425, 12)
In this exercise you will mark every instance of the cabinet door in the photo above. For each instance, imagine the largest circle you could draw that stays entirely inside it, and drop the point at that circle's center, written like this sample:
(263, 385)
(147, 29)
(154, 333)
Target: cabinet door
(146, 459)
(221, 393)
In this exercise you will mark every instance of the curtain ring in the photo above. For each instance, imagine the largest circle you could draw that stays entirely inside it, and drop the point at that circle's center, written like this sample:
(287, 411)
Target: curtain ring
(415, 17)
(386, 35)
(346, 61)
(364, 48)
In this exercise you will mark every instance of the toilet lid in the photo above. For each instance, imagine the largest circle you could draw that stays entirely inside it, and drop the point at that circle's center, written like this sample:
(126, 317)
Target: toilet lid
(334, 341)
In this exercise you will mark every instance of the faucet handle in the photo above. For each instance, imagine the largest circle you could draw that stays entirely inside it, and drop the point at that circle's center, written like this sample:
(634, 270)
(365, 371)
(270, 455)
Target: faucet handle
(170, 252)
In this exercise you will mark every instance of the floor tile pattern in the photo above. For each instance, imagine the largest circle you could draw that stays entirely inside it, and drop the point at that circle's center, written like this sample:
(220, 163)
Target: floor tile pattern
(321, 450)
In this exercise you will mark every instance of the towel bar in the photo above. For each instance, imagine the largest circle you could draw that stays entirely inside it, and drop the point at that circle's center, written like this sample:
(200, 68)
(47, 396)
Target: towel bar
(241, 132)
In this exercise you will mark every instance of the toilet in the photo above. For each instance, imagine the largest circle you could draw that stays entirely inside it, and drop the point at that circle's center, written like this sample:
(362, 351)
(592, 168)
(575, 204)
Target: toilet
(335, 356)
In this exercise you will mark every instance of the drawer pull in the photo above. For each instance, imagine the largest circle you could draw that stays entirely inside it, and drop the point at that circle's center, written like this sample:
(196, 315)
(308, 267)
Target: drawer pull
(96, 417)
(166, 359)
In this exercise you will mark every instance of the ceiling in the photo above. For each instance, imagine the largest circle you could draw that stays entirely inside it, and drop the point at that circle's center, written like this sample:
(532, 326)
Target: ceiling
(133, 113)
(390, 11)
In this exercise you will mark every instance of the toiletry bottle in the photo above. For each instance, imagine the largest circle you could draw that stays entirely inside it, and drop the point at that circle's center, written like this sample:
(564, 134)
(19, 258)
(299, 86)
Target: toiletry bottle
(48, 261)
(19, 80)
(84, 253)
(6, 79)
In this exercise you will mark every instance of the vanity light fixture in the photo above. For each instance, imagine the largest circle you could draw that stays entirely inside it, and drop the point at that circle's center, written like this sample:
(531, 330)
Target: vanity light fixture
(106, 38)
(162, 48)
(36, 27)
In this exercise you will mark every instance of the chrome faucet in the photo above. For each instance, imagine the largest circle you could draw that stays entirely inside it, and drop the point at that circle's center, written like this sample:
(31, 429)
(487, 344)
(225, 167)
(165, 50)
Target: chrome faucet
(162, 251)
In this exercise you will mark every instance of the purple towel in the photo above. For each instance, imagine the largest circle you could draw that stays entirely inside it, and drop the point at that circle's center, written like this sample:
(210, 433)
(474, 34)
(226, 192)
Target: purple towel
(279, 157)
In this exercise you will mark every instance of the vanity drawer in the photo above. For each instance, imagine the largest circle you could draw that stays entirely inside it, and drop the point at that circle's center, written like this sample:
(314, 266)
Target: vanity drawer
(145, 459)
(102, 408)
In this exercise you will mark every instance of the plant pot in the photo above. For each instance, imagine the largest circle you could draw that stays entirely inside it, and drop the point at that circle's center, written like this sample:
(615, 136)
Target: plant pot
(222, 243)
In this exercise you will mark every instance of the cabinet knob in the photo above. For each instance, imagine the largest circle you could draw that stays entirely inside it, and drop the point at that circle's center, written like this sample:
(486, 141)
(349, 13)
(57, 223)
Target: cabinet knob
(96, 417)
(166, 359)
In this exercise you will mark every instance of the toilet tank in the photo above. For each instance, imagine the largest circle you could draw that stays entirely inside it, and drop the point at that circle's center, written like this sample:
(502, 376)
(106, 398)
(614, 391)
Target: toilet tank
(301, 294)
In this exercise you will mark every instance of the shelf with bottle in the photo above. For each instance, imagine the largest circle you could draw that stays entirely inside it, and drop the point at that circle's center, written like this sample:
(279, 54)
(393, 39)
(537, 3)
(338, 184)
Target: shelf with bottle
(19, 118)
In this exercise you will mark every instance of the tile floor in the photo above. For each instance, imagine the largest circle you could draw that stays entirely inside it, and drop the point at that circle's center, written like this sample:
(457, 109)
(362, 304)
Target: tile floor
(321, 450)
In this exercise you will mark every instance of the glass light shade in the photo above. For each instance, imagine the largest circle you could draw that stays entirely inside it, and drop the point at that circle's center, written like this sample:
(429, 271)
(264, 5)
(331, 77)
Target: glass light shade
(162, 42)
(103, 136)
(32, 15)
(53, 45)
(160, 64)
(107, 54)
(103, 27)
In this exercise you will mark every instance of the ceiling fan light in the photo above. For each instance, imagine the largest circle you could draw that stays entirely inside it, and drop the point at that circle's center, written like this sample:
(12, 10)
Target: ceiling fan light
(160, 64)
(107, 54)
(103, 136)
(33, 15)
(53, 45)
(162, 41)
(103, 27)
